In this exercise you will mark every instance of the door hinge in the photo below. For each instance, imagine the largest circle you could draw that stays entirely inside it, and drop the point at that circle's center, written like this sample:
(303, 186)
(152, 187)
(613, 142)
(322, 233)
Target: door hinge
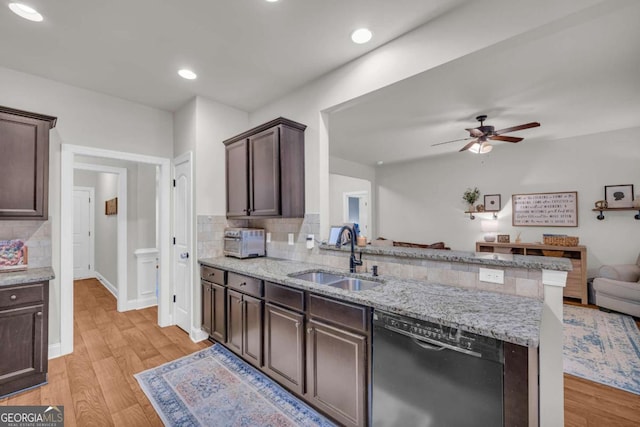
(89, 200)
(174, 298)
(174, 240)
(89, 233)
(174, 182)
(89, 267)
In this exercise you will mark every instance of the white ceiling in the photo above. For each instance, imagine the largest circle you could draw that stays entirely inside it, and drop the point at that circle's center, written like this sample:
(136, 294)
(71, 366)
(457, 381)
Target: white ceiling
(578, 75)
(245, 52)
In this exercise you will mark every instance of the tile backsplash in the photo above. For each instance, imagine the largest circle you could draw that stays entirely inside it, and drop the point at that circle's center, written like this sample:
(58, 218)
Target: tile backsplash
(35, 234)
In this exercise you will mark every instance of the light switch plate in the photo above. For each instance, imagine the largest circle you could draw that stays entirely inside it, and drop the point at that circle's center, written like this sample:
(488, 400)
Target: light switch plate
(492, 276)
(291, 238)
(310, 241)
(268, 237)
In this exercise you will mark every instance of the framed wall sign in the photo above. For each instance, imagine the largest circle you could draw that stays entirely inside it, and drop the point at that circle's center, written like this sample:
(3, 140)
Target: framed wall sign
(619, 196)
(545, 209)
(111, 206)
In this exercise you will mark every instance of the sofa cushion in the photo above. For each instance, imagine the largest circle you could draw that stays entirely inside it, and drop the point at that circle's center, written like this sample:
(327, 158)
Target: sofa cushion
(623, 272)
(623, 290)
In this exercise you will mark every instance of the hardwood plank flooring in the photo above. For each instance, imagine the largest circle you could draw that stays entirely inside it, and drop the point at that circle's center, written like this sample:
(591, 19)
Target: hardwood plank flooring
(95, 383)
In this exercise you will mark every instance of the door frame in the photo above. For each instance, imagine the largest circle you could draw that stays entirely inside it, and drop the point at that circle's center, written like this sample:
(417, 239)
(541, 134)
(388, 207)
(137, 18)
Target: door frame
(121, 286)
(92, 226)
(345, 207)
(68, 153)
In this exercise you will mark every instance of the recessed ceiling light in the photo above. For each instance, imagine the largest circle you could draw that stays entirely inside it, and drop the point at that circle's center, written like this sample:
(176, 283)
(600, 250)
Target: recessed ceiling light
(380, 162)
(272, 1)
(26, 12)
(187, 74)
(361, 35)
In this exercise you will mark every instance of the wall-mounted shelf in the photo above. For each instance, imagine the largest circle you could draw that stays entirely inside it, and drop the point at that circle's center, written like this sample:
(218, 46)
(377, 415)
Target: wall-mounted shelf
(601, 210)
(472, 216)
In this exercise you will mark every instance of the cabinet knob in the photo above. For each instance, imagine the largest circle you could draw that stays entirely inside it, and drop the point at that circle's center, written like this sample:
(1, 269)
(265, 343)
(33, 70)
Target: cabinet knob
(39, 314)
(13, 297)
(240, 301)
(212, 274)
(243, 284)
(309, 330)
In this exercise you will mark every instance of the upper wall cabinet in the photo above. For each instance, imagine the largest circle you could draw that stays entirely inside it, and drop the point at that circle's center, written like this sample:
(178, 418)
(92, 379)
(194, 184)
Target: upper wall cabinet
(265, 171)
(24, 162)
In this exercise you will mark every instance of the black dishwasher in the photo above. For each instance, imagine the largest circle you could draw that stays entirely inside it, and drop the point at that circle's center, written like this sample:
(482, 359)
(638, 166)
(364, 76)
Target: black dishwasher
(430, 375)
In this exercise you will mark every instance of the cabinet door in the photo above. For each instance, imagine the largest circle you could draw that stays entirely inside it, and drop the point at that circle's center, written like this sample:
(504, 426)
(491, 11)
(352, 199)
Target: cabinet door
(21, 351)
(264, 162)
(252, 329)
(237, 179)
(234, 321)
(336, 372)
(218, 318)
(207, 310)
(284, 346)
(24, 145)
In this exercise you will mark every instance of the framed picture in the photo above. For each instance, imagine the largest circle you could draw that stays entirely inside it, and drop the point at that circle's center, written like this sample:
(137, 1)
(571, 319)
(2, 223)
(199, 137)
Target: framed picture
(503, 238)
(492, 203)
(111, 206)
(619, 196)
(545, 209)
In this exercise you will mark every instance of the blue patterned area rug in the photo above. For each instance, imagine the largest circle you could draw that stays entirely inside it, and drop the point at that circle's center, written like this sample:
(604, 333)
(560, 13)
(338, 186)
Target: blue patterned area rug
(602, 347)
(213, 387)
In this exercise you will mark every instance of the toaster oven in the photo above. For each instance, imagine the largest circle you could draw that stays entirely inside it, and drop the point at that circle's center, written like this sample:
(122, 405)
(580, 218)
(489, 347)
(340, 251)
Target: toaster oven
(244, 242)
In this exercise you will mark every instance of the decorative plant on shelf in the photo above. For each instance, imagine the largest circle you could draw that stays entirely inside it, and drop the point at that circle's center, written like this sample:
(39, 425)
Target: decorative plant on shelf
(470, 196)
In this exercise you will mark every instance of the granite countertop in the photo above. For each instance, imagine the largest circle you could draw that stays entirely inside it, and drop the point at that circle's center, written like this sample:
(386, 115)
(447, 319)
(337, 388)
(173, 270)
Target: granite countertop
(481, 258)
(26, 276)
(506, 317)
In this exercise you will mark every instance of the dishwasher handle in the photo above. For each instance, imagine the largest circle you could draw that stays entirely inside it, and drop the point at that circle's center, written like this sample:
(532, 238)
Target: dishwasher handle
(433, 342)
(427, 346)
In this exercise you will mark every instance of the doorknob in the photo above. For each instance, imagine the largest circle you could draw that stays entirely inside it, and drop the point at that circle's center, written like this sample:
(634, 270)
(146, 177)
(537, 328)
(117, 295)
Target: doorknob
(184, 255)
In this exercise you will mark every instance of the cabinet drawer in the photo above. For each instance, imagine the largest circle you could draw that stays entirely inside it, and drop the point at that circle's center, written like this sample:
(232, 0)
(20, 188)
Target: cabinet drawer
(20, 295)
(342, 313)
(211, 274)
(246, 284)
(288, 297)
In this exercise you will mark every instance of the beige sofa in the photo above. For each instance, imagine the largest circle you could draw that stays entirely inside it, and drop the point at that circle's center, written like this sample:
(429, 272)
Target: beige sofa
(617, 288)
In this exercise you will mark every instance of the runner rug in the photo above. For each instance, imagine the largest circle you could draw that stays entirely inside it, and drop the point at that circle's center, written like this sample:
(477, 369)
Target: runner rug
(213, 387)
(602, 347)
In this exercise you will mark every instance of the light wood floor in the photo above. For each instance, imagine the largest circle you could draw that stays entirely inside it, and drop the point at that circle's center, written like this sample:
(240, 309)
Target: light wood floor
(95, 383)
(97, 388)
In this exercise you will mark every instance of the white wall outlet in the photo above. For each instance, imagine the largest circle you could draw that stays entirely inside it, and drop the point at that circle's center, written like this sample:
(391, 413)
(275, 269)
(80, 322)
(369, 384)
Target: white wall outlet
(291, 238)
(492, 276)
(310, 241)
(268, 237)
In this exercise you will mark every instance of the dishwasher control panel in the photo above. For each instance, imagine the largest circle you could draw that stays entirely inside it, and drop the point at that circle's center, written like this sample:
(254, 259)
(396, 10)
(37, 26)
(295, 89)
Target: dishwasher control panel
(445, 336)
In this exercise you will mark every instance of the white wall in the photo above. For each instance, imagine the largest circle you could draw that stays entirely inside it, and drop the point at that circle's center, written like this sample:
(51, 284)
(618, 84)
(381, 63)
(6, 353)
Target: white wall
(421, 201)
(84, 118)
(184, 128)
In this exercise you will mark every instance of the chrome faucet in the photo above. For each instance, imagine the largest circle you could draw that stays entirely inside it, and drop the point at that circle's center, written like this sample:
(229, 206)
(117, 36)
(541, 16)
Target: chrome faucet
(353, 262)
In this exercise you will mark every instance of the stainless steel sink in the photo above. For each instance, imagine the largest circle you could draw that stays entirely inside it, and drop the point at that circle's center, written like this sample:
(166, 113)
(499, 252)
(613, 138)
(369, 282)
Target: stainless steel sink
(319, 277)
(337, 281)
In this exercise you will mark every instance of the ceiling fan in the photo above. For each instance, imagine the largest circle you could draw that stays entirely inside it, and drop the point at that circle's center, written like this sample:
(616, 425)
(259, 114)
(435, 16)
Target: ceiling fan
(481, 135)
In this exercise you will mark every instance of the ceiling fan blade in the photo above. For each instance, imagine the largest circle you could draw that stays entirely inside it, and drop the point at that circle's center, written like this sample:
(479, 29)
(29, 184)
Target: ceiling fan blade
(469, 145)
(448, 142)
(506, 138)
(475, 132)
(519, 127)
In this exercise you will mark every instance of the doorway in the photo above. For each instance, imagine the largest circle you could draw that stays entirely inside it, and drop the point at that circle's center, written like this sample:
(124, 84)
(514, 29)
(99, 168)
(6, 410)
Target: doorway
(68, 155)
(356, 209)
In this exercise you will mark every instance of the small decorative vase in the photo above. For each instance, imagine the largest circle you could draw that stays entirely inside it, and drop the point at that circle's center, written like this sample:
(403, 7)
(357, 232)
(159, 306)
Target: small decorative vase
(489, 237)
(471, 208)
(480, 208)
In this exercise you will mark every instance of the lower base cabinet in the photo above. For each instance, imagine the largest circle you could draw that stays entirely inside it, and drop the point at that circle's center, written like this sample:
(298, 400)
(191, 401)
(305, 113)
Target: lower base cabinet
(337, 372)
(23, 336)
(284, 347)
(244, 323)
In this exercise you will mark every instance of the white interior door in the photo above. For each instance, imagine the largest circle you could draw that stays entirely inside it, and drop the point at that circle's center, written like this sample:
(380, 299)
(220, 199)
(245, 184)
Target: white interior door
(182, 257)
(356, 209)
(83, 233)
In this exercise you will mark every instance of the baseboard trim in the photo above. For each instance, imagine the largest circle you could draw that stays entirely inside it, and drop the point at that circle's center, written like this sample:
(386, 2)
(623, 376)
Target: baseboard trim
(55, 350)
(107, 284)
(143, 303)
(198, 335)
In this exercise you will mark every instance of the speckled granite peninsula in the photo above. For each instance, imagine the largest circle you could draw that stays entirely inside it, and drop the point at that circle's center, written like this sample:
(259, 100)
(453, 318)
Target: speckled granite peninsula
(486, 259)
(509, 318)
(26, 276)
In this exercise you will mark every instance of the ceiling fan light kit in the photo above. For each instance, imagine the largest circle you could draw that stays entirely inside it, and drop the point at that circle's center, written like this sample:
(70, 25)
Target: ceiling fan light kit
(481, 135)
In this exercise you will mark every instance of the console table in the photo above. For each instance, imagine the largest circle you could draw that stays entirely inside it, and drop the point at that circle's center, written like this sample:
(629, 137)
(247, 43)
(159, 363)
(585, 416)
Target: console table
(576, 279)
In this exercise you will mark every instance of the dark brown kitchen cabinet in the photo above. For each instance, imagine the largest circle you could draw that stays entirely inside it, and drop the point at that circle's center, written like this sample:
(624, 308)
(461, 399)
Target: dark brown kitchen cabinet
(265, 171)
(24, 162)
(244, 326)
(284, 346)
(24, 336)
(214, 311)
(337, 372)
